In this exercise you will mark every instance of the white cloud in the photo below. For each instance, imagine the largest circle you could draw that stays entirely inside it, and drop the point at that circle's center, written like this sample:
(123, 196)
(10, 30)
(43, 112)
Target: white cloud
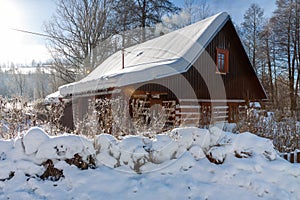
(177, 20)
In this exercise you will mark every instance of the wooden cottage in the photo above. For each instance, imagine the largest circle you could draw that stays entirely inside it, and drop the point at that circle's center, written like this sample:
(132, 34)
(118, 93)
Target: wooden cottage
(202, 68)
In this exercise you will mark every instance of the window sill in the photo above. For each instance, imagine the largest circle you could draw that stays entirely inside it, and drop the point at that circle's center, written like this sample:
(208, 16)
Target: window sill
(221, 73)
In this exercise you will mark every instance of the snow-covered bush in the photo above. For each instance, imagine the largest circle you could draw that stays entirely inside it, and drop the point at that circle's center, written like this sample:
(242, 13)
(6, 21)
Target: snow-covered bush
(54, 114)
(284, 130)
(119, 117)
(113, 116)
(181, 147)
(48, 116)
(14, 116)
(248, 167)
(17, 115)
(150, 120)
(89, 124)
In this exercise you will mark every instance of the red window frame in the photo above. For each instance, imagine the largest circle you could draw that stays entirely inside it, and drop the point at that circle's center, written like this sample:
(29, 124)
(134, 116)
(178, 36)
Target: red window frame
(222, 61)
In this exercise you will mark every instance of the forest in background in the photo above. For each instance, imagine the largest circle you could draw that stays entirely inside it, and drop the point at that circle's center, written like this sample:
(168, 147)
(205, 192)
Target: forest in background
(273, 46)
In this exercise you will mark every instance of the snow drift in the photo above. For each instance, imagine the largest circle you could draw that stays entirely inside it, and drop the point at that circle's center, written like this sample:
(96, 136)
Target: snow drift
(185, 163)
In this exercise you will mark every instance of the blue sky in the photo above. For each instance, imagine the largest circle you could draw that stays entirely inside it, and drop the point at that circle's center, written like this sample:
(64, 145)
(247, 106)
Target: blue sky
(236, 8)
(31, 14)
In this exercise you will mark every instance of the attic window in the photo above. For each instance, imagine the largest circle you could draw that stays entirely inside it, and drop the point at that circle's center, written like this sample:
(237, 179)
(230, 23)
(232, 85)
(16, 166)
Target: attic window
(222, 61)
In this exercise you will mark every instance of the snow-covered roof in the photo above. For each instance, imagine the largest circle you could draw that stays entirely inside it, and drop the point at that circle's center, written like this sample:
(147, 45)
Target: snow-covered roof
(53, 98)
(164, 56)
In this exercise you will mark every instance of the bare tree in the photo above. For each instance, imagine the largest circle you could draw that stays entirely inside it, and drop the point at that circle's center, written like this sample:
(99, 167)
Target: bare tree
(286, 27)
(197, 11)
(275, 47)
(19, 80)
(266, 56)
(252, 25)
(40, 89)
(3, 83)
(75, 30)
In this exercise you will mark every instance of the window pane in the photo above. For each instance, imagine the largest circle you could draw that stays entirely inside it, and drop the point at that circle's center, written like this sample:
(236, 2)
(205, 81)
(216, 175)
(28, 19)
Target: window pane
(221, 62)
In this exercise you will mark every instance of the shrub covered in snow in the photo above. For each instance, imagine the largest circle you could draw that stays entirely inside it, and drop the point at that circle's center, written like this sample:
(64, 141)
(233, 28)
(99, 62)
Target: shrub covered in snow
(112, 116)
(14, 116)
(197, 162)
(137, 153)
(283, 130)
(18, 115)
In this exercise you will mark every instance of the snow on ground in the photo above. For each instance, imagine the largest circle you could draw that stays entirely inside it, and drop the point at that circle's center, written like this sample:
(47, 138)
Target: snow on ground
(186, 163)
